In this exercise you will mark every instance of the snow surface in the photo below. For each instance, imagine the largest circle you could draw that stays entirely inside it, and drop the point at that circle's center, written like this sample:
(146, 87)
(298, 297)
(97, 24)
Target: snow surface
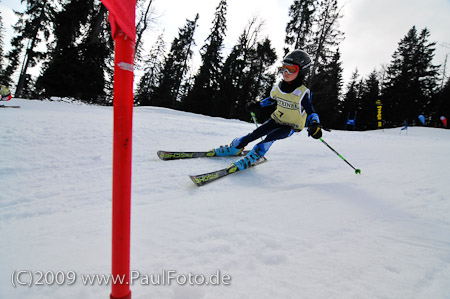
(303, 225)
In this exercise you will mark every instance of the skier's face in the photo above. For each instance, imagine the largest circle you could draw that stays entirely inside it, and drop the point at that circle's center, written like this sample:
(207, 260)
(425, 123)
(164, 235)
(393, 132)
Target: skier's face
(290, 72)
(289, 77)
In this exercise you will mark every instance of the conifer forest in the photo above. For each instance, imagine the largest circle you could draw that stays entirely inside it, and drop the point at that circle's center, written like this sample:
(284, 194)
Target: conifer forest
(71, 41)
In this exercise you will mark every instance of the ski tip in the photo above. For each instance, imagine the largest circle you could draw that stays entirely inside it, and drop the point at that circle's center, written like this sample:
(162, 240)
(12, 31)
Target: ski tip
(206, 178)
(198, 181)
(165, 155)
(160, 154)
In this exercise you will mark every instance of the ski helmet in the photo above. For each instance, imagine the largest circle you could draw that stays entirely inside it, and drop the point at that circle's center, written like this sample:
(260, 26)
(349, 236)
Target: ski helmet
(300, 58)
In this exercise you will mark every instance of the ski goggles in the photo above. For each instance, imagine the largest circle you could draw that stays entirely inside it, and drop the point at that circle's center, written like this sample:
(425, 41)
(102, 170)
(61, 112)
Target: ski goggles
(289, 68)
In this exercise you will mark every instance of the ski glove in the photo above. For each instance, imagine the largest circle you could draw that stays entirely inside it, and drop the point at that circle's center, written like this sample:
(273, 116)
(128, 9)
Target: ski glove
(252, 105)
(314, 127)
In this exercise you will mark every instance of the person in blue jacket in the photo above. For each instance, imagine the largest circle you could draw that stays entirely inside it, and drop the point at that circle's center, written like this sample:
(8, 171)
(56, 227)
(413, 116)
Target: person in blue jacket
(293, 112)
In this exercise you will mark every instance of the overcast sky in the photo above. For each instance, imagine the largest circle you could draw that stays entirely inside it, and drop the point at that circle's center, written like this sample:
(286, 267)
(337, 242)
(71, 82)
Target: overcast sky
(372, 28)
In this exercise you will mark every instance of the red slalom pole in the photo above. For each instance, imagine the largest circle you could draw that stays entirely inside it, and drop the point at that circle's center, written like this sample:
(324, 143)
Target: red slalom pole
(122, 154)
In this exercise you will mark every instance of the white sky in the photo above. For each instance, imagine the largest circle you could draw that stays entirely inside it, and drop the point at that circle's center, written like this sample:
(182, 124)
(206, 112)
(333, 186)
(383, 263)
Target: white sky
(372, 28)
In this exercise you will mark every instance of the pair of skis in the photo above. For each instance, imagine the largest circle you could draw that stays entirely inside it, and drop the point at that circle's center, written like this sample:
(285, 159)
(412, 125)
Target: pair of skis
(205, 178)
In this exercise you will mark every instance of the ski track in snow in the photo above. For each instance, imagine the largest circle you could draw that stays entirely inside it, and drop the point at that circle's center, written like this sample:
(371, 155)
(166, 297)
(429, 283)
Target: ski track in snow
(302, 225)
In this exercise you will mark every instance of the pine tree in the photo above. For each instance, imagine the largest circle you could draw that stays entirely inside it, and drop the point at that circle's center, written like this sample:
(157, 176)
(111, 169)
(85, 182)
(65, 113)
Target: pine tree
(351, 102)
(411, 79)
(326, 37)
(265, 57)
(299, 28)
(258, 79)
(327, 89)
(201, 96)
(33, 28)
(367, 114)
(175, 67)
(82, 46)
(313, 27)
(245, 74)
(427, 73)
(233, 95)
(229, 82)
(97, 56)
(154, 64)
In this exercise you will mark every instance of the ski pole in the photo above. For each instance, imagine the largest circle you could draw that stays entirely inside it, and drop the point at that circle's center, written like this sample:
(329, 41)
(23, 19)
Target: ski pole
(254, 120)
(357, 171)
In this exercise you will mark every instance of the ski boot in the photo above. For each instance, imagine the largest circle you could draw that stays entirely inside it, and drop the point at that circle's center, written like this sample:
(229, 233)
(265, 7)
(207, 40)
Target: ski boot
(228, 150)
(247, 161)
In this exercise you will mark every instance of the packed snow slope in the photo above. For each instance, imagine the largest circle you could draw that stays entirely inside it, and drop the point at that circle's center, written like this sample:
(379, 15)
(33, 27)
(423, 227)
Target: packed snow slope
(303, 225)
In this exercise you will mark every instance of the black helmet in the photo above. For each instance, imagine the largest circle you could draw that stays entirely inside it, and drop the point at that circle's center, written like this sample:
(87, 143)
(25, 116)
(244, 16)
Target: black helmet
(300, 58)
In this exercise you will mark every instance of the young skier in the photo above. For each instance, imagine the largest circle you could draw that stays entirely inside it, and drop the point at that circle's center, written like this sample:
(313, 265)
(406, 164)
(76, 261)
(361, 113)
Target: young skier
(5, 93)
(294, 111)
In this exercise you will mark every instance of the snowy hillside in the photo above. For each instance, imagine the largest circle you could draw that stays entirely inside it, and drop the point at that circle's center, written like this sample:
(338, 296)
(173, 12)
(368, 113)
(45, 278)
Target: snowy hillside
(302, 225)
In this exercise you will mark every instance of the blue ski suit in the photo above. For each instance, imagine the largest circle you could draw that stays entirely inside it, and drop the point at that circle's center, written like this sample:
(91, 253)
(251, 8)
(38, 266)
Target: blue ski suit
(294, 111)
